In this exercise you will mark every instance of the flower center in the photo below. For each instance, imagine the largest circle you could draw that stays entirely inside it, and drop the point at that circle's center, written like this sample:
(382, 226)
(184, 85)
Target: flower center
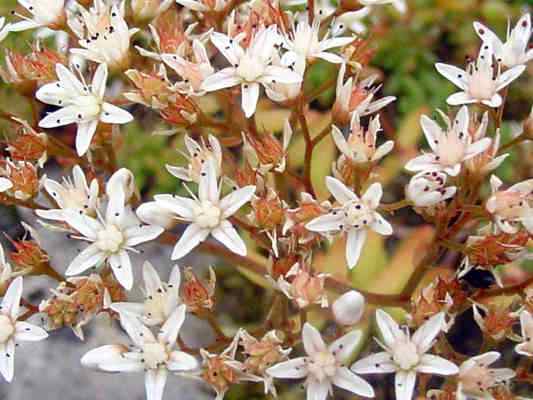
(405, 354)
(322, 365)
(207, 215)
(451, 149)
(477, 380)
(6, 328)
(89, 107)
(110, 239)
(154, 354)
(250, 69)
(481, 84)
(357, 214)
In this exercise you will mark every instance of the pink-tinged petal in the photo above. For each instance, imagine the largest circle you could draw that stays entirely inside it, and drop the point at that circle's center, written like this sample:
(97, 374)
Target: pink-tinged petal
(226, 234)
(344, 346)
(142, 234)
(152, 282)
(425, 162)
(494, 102)
(404, 383)
(121, 266)
(430, 364)
(455, 75)
(100, 80)
(347, 380)
(221, 80)
(11, 300)
(486, 358)
(112, 114)
(171, 328)
(249, 98)
(339, 190)
(181, 206)
(509, 76)
(227, 46)
(381, 225)
(191, 237)
(155, 380)
(379, 363)
(390, 331)
(329, 57)
(460, 98)
(486, 35)
(478, 147)
(208, 185)
(84, 136)
(235, 200)
(354, 245)
(383, 150)
(90, 257)
(181, 361)
(432, 131)
(7, 360)
(318, 390)
(138, 333)
(292, 369)
(426, 334)
(312, 340)
(349, 308)
(373, 195)
(103, 354)
(326, 223)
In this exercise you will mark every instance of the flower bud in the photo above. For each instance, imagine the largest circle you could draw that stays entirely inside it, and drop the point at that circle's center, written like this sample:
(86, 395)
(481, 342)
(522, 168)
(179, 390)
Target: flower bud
(198, 296)
(349, 308)
(23, 178)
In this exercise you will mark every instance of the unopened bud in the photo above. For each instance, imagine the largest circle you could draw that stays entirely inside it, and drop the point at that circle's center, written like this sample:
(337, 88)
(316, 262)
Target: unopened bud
(349, 308)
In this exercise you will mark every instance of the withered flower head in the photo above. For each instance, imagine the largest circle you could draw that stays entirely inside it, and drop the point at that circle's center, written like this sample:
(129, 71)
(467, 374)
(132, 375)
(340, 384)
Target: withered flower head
(23, 178)
(197, 295)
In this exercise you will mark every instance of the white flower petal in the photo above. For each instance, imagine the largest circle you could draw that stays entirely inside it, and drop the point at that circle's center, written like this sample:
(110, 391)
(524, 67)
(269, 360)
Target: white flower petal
(235, 200)
(181, 361)
(103, 354)
(182, 206)
(155, 380)
(7, 360)
(152, 282)
(292, 369)
(27, 332)
(88, 258)
(379, 363)
(325, 223)
(312, 340)
(121, 266)
(390, 331)
(221, 80)
(317, 390)
(249, 98)
(339, 190)
(191, 237)
(509, 76)
(142, 234)
(354, 245)
(349, 381)
(114, 115)
(381, 225)
(344, 346)
(100, 80)
(226, 234)
(426, 334)
(170, 330)
(455, 75)
(84, 136)
(373, 195)
(404, 384)
(11, 300)
(430, 364)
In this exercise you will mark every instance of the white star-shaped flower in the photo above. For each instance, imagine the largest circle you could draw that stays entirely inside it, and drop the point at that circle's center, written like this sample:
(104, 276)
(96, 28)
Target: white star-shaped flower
(451, 147)
(354, 216)
(305, 42)
(405, 355)
(13, 331)
(324, 366)
(250, 67)
(511, 207)
(81, 104)
(160, 299)
(207, 214)
(426, 189)
(50, 14)
(103, 34)
(481, 81)
(476, 378)
(72, 194)
(111, 236)
(515, 51)
(156, 355)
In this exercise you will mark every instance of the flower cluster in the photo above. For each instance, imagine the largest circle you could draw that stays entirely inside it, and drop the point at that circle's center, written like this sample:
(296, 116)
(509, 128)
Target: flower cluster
(233, 85)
